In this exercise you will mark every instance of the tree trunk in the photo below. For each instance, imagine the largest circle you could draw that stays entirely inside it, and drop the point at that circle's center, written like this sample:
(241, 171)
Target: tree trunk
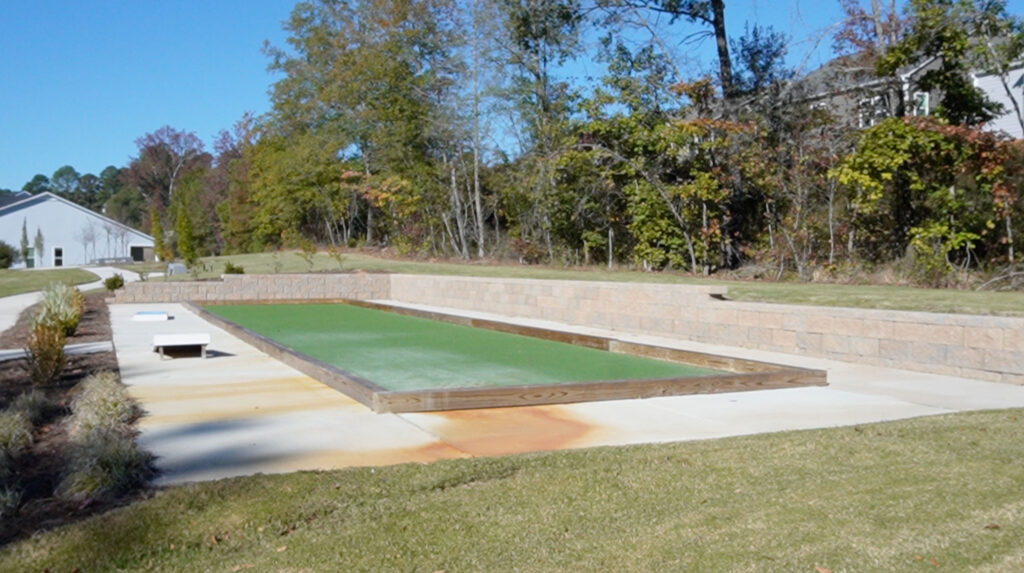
(831, 225)
(460, 216)
(611, 247)
(477, 208)
(1009, 237)
(722, 43)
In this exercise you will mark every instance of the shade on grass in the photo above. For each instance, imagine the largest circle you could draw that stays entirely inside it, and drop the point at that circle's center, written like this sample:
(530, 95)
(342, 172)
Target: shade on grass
(401, 352)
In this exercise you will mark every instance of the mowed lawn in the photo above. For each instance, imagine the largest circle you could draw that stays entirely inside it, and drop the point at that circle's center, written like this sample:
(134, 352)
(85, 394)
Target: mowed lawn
(21, 281)
(820, 294)
(940, 493)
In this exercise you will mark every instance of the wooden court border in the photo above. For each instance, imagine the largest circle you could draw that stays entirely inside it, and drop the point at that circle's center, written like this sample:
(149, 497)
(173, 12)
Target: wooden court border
(743, 375)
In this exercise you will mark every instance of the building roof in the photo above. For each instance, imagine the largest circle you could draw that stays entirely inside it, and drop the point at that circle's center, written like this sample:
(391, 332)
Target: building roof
(842, 75)
(26, 200)
(12, 197)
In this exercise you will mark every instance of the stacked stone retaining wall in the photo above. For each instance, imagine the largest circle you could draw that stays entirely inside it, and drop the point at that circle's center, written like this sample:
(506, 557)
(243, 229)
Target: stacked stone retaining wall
(982, 347)
(259, 287)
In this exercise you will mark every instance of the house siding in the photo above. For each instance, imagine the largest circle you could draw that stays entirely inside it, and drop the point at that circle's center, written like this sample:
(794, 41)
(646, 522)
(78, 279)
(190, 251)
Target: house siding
(67, 226)
(993, 88)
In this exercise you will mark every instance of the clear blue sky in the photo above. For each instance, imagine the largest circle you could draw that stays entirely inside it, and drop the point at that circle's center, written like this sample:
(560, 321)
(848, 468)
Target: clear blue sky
(81, 80)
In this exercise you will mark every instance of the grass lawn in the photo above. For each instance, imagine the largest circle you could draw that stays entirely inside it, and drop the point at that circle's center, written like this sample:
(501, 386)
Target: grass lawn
(942, 491)
(142, 267)
(22, 281)
(860, 296)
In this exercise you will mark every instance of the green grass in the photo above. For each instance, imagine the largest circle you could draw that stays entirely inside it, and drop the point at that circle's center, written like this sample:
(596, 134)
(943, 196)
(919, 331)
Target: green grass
(142, 267)
(401, 352)
(902, 496)
(820, 294)
(21, 281)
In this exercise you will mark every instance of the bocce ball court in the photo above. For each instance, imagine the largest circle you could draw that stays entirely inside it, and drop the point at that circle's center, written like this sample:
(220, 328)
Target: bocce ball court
(399, 359)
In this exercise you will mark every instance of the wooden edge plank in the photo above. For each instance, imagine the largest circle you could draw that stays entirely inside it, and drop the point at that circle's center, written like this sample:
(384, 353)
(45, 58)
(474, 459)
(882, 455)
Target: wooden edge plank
(470, 398)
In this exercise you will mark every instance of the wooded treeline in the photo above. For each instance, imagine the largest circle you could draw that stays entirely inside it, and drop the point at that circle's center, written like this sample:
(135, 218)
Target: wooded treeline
(456, 128)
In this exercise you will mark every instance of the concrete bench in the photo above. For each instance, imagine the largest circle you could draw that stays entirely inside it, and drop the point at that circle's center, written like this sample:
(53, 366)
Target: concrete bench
(150, 315)
(162, 341)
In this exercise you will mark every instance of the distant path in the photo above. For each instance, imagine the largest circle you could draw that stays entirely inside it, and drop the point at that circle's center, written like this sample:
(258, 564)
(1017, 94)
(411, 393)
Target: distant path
(12, 306)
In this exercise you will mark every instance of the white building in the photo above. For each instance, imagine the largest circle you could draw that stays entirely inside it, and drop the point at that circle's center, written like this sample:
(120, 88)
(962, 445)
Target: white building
(71, 234)
(996, 91)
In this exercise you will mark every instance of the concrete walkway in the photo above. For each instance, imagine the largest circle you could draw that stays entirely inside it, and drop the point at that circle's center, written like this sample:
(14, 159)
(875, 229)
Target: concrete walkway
(70, 349)
(12, 306)
(240, 412)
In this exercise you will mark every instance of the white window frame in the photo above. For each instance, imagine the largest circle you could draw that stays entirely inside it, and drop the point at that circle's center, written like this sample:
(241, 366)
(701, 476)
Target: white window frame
(914, 107)
(871, 110)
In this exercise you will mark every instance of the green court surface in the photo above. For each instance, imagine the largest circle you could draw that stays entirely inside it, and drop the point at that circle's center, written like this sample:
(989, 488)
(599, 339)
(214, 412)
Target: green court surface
(400, 352)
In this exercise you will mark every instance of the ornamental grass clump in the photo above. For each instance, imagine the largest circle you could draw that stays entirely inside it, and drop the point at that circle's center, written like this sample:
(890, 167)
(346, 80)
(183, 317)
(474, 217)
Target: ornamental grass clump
(10, 501)
(15, 432)
(100, 404)
(107, 463)
(62, 305)
(33, 405)
(103, 458)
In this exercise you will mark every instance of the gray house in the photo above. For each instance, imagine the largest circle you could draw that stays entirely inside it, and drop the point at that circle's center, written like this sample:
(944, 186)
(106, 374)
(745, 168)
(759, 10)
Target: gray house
(1007, 90)
(858, 98)
(71, 234)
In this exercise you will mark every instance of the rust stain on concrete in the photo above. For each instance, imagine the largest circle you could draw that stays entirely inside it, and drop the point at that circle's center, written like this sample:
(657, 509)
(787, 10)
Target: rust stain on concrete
(500, 431)
(339, 459)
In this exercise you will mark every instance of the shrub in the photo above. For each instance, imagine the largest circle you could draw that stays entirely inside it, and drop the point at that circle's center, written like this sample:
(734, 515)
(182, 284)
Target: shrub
(114, 282)
(104, 463)
(6, 466)
(336, 254)
(232, 269)
(45, 352)
(62, 305)
(34, 405)
(103, 458)
(10, 500)
(15, 432)
(100, 404)
(8, 255)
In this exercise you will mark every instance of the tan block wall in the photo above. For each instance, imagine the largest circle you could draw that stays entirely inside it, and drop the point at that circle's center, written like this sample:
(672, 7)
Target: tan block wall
(982, 347)
(635, 307)
(258, 287)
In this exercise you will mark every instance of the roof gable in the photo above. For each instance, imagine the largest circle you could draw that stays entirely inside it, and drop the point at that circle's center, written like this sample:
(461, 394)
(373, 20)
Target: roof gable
(47, 196)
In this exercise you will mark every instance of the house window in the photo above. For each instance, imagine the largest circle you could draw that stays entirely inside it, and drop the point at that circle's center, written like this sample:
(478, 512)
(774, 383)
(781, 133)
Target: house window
(30, 258)
(919, 104)
(58, 257)
(871, 111)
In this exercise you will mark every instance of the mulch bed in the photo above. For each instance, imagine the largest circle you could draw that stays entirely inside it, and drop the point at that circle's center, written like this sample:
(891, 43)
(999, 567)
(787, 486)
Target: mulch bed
(39, 468)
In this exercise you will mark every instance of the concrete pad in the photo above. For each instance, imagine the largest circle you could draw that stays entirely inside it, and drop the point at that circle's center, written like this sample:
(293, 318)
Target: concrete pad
(241, 412)
(151, 316)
